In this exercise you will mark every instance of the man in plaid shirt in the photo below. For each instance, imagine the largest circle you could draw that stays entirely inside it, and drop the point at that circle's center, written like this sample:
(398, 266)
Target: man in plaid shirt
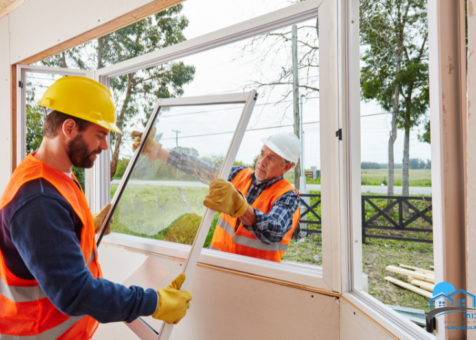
(278, 155)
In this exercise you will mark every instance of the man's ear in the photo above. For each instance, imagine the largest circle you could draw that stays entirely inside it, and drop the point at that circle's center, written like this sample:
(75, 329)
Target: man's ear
(288, 166)
(69, 128)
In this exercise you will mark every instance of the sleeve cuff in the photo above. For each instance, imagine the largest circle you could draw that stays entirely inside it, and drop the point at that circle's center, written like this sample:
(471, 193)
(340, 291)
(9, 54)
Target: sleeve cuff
(151, 302)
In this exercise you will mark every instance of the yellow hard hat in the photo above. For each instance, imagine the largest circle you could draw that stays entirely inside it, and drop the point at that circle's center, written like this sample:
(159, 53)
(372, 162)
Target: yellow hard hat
(82, 98)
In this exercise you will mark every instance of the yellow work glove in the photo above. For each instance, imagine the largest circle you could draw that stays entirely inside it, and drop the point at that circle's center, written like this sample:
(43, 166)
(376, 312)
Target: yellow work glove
(99, 219)
(151, 148)
(173, 303)
(223, 197)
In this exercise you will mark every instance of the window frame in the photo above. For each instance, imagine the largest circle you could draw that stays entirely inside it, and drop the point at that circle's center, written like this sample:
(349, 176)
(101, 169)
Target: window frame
(139, 326)
(312, 276)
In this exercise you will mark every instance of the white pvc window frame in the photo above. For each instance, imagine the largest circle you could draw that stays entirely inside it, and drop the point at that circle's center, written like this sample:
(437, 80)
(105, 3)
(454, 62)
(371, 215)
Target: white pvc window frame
(350, 173)
(311, 276)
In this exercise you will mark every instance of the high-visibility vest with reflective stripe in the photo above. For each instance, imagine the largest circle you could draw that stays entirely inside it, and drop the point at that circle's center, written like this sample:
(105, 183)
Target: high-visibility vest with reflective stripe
(25, 311)
(233, 238)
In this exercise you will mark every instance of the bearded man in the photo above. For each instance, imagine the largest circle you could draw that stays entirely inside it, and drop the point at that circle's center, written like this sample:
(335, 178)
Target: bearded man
(51, 285)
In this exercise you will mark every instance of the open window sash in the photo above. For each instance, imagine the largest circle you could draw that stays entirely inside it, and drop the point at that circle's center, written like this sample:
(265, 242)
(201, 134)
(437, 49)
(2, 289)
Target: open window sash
(247, 99)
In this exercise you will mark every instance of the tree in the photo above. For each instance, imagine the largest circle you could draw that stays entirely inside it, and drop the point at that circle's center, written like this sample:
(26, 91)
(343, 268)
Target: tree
(136, 93)
(306, 63)
(370, 165)
(394, 33)
(425, 137)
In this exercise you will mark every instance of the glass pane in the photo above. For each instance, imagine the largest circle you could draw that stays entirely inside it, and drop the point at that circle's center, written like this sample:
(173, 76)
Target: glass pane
(396, 153)
(164, 196)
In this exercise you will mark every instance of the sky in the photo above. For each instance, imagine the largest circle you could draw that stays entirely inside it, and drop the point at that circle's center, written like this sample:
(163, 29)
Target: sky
(237, 67)
(227, 69)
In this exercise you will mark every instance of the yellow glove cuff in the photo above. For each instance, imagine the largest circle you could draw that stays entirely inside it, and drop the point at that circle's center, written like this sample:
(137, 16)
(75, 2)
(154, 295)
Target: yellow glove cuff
(241, 210)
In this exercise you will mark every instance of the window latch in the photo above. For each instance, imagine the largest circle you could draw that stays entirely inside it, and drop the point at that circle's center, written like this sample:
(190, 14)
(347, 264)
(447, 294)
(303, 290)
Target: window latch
(20, 84)
(339, 134)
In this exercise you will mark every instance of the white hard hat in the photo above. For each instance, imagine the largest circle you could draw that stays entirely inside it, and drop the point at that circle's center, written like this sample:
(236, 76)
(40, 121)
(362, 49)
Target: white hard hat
(285, 144)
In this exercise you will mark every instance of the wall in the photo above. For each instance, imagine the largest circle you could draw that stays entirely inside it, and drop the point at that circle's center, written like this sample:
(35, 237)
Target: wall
(355, 325)
(225, 305)
(471, 159)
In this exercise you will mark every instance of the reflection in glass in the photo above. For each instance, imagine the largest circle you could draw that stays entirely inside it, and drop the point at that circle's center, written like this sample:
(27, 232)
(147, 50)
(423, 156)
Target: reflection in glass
(163, 198)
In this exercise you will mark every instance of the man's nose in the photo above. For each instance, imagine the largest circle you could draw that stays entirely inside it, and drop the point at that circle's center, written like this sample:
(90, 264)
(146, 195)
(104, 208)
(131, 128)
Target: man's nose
(103, 144)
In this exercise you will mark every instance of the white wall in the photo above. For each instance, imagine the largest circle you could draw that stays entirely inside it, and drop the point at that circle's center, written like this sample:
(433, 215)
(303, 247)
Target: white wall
(5, 106)
(224, 305)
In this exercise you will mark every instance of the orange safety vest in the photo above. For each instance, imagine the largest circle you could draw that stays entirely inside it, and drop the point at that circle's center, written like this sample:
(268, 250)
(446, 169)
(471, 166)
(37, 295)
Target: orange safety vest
(232, 239)
(25, 311)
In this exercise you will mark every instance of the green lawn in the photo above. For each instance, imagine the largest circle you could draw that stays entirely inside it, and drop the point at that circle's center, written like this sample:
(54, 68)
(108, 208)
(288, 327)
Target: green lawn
(418, 178)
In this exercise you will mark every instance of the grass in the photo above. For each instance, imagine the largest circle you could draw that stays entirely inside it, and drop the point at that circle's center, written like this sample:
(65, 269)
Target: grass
(418, 178)
(152, 211)
(376, 256)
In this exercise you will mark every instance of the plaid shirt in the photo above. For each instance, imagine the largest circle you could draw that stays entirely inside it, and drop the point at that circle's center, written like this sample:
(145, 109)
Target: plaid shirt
(269, 228)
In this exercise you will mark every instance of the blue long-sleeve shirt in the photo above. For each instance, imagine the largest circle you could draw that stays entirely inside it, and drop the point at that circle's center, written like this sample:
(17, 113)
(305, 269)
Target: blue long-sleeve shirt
(269, 228)
(40, 237)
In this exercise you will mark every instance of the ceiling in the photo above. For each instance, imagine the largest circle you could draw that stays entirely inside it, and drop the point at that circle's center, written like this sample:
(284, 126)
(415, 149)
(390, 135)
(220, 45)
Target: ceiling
(6, 6)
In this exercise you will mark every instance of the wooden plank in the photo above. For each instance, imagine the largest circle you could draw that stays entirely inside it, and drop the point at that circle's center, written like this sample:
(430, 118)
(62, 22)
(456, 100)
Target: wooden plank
(409, 287)
(418, 269)
(111, 26)
(424, 285)
(414, 274)
(11, 7)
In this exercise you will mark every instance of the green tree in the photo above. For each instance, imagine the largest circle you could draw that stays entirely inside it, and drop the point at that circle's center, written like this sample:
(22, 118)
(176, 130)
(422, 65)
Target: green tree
(136, 92)
(34, 120)
(394, 37)
(425, 137)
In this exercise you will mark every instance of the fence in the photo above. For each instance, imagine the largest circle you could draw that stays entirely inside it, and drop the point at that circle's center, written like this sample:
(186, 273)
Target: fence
(373, 222)
(312, 209)
(402, 224)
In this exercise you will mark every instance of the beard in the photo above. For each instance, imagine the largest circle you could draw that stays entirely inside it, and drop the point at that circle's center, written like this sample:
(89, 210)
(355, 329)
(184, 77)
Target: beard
(79, 154)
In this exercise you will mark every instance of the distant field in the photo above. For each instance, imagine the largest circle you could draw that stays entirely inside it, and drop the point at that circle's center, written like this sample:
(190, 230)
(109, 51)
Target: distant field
(418, 178)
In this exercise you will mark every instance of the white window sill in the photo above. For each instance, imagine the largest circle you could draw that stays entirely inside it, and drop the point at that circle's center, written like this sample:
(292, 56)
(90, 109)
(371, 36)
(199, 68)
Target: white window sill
(302, 274)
